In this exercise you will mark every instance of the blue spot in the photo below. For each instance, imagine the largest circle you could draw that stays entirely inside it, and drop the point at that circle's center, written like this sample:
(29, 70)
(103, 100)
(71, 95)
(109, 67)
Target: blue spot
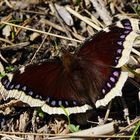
(7, 85)
(53, 103)
(74, 103)
(11, 86)
(48, 100)
(17, 86)
(30, 93)
(24, 88)
(66, 103)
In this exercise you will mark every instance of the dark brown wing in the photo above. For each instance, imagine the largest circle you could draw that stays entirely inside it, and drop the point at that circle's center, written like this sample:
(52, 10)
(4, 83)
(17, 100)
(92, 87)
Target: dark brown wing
(48, 85)
(104, 54)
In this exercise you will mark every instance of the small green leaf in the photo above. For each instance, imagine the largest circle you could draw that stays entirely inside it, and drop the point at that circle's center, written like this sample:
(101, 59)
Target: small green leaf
(73, 128)
(78, 2)
(66, 113)
(13, 34)
(16, 21)
(40, 113)
(135, 131)
(2, 74)
(137, 9)
(9, 69)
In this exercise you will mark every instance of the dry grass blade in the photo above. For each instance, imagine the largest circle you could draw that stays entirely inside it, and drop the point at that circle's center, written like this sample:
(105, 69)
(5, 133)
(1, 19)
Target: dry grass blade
(135, 51)
(8, 3)
(39, 47)
(102, 11)
(83, 18)
(38, 31)
(6, 41)
(11, 103)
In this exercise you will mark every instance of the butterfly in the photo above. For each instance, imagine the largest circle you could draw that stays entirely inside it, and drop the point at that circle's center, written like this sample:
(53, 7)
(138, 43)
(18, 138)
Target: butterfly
(92, 76)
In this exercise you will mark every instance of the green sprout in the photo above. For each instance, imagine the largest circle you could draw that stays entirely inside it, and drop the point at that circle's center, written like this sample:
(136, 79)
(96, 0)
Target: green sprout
(137, 8)
(2, 74)
(13, 34)
(135, 131)
(71, 127)
(78, 2)
(9, 68)
(40, 113)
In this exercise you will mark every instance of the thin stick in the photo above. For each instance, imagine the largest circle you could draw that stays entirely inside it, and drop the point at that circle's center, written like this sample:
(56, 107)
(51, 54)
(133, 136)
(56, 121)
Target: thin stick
(12, 137)
(60, 20)
(128, 126)
(59, 28)
(64, 136)
(55, 26)
(33, 12)
(2, 58)
(134, 122)
(102, 11)
(11, 103)
(107, 112)
(135, 51)
(38, 49)
(6, 41)
(8, 4)
(40, 46)
(38, 31)
(83, 18)
(94, 19)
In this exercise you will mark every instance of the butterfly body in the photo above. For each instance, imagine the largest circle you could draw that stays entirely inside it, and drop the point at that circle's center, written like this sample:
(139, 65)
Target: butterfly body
(91, 76)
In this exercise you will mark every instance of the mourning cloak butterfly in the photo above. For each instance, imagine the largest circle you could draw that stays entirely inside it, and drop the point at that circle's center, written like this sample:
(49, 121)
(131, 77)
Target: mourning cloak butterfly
(92, 76)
